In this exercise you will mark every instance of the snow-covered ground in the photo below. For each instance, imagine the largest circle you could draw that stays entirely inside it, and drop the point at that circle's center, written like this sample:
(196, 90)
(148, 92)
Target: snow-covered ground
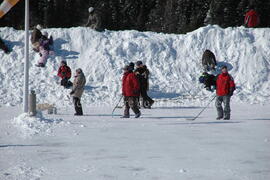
(160, 145)
(174, 61)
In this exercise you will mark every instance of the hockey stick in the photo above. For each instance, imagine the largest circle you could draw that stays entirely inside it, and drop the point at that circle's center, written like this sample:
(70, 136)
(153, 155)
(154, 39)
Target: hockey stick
(117, 105)
(193, 119)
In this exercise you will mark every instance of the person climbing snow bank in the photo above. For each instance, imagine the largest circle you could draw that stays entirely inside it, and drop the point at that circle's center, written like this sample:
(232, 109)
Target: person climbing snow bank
(64, 72)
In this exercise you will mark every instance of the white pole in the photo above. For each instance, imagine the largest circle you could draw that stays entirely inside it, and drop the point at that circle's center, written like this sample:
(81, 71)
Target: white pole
(26, 60)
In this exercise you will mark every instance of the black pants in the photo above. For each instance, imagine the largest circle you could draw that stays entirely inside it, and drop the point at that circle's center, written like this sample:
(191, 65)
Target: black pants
(145, 96)
(66, 83)
(78, 106)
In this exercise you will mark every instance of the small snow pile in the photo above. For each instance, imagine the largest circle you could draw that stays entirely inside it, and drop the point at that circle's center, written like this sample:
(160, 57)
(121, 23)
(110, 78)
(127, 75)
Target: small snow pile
(31, 125)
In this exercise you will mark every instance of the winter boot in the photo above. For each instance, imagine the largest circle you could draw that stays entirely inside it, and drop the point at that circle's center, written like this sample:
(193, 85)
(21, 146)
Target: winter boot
(138, 115)
(40, 65)
(219, 118)
(125, 116)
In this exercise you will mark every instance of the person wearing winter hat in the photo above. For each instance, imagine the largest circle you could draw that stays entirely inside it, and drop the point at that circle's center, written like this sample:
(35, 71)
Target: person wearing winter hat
(142, 74)
(225, 88)
(64, 72)
(35, 37)
(77, 91)
(130, 91)
(208, 60)
(95, 20)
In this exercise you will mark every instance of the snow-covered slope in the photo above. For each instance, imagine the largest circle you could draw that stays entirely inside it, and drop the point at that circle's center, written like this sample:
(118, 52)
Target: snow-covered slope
(174, 61)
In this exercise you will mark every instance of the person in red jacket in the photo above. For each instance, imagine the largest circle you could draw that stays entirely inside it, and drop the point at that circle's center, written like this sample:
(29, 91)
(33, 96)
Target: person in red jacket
(64, 72)
(225, 87)
(251, 18)
(130, 91)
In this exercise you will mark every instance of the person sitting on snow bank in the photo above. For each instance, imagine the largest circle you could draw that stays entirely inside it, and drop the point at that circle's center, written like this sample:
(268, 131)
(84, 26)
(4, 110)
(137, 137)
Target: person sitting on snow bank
(64, 72)
(35, 37)
(225, 88)
(130, 91)
(77, 91)
(208, 60)
(45, 50)
(95, 19)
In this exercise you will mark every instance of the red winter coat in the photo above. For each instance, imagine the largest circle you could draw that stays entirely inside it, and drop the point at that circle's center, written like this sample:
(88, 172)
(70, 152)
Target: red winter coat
(252, 18)
(130, 85)
(64, 72)
(224, 83)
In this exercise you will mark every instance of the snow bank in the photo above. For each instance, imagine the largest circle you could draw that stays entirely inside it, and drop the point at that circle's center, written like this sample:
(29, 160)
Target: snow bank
(29, 125)
(174, 61)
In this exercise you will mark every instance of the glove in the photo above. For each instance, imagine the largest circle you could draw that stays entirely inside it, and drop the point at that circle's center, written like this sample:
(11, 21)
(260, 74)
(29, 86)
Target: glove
(72, 92)
(231, 91)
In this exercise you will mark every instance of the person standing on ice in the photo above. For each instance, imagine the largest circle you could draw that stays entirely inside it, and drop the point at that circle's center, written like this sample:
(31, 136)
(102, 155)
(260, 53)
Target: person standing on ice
(44, 49)
(77, 91)
(64, 72)
(208, 60)
(35, 37)
(94, 19)
(130, 91)
(251, 18)
(225, 88)
(142, 74)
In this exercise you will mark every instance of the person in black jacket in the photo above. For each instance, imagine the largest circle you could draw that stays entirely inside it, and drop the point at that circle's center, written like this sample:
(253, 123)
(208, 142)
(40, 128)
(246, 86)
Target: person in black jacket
(142, 74)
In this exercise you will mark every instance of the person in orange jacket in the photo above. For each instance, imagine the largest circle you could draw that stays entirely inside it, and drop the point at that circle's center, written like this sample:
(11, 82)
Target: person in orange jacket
(225, 87)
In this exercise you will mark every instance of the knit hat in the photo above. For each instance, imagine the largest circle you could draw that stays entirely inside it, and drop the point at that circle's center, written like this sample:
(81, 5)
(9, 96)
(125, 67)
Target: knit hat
(64, 62)
(79, 70)
(91, 9)
(224, 67)
(39, 27)
(138, 63)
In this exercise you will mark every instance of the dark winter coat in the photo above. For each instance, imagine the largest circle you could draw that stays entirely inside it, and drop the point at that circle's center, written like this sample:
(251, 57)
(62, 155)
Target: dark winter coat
(225, 84)
(131, 87)
(35, 36)
(251, 19)
(209, 59)
(142, 74)
(64, 72)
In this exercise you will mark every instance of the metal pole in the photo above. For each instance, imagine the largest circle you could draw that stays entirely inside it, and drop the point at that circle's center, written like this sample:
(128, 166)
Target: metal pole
(26, 60)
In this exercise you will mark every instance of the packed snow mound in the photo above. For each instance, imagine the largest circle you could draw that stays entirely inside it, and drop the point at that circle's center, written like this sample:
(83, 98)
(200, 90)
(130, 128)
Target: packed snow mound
(32, 125)
(173, 60)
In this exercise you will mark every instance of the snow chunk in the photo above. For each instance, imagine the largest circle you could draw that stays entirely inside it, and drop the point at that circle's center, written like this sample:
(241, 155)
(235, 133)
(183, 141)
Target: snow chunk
(31, 125)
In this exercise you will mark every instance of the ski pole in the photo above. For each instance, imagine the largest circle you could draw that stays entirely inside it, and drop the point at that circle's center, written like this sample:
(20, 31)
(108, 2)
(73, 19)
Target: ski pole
(192, 119)
(117, 105)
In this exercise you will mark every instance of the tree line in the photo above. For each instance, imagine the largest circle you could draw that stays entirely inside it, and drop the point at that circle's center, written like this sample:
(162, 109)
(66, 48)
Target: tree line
(169, 16)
